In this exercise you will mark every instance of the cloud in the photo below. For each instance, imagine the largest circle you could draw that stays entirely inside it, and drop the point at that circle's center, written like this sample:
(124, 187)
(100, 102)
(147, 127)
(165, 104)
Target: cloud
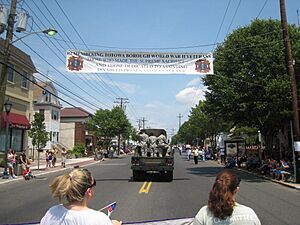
(195, 82)
(155, 105)
(190, 95)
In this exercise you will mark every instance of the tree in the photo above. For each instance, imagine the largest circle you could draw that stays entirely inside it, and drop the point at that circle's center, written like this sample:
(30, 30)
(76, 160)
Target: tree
(110, 123)
(205, 121)
(38, 133)
(251, 86)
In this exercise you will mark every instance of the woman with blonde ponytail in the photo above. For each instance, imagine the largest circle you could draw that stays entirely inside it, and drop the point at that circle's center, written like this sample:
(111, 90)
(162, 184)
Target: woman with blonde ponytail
(75, 190)
(222, 208)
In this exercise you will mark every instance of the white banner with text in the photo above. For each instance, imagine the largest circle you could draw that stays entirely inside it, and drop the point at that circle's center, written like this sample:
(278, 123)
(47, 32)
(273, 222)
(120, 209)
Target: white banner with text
(139, 62)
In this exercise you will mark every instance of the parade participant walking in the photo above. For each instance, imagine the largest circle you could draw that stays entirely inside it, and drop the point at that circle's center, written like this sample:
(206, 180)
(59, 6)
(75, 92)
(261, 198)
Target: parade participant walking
(188, 152)
(222, 208)
(77, 188)
(222, 155)
(196, 154)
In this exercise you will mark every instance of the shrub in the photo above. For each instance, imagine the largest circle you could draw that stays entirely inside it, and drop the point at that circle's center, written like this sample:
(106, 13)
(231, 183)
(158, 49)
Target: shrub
(78, 150)
(2, 163)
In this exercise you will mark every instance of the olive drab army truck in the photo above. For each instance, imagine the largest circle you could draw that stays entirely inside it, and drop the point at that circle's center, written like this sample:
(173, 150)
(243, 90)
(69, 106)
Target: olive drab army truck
(152, 155)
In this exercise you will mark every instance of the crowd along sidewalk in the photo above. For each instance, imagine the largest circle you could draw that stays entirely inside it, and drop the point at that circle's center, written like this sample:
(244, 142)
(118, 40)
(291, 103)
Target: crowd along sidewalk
(285, 183)
(41, 169)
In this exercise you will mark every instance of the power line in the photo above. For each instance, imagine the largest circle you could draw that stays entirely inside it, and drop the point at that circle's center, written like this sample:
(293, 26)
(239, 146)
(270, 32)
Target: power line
(106, 87)
(60, 72)
(262, 8)
(233, 17)
(122, 102)
(93, 85)
(35, 83)
(223, 19)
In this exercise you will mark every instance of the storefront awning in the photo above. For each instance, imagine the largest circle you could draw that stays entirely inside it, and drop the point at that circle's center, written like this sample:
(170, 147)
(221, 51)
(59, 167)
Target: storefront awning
(16, 121)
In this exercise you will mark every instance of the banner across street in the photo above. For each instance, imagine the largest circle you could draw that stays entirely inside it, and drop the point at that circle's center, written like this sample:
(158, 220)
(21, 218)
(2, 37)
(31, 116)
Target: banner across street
(139, 62)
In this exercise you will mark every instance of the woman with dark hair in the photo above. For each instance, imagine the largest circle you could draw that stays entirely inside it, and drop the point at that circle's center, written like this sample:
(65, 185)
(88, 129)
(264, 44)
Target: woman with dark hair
(222, 207)
(77, 189)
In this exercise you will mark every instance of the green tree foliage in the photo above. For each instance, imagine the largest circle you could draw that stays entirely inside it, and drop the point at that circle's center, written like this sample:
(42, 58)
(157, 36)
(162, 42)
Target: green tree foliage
(205, 121)
(251, 86)
(119, 122)
(38, 132)
(185, 134)
(100, 124)
(110, 123)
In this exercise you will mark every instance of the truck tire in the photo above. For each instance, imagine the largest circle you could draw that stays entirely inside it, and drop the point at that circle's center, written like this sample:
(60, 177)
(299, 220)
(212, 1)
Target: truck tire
(169, 176)
(137, 175)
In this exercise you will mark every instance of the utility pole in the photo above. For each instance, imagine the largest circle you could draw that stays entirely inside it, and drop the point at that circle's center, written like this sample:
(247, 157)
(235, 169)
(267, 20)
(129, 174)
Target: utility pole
(139, 123)
(6, 53)
(298, 19)
(179, 123)
(291, 72)
(143, 122)
(122, 102)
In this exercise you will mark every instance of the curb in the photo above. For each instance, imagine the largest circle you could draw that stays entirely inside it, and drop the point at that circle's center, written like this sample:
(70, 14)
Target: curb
(87, 163)
(290, 185)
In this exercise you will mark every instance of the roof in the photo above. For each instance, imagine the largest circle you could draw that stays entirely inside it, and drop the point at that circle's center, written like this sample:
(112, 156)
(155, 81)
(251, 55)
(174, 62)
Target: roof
(17, 55)
(37, 91)
(74, 112)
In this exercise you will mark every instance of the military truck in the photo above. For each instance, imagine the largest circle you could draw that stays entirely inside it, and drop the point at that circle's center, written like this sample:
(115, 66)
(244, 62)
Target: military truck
(151, 155)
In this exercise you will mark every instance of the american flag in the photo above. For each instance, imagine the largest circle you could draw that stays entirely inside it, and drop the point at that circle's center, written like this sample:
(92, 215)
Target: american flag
(110, 208)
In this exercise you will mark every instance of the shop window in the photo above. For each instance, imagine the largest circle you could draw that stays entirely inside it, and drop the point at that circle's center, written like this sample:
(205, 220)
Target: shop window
(17, 139)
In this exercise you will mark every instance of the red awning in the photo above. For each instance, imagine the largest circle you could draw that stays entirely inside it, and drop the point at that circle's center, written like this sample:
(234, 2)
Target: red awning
(16, 121)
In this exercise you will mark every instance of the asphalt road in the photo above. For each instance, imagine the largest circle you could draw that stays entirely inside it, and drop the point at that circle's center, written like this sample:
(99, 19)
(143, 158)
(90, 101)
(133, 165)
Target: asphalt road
(152, 199)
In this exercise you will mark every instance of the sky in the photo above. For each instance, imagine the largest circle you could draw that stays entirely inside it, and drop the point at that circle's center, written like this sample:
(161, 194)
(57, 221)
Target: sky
(163, 101)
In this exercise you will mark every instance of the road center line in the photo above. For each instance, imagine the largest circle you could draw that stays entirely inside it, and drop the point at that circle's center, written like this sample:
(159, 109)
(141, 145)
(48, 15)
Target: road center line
(146, 187)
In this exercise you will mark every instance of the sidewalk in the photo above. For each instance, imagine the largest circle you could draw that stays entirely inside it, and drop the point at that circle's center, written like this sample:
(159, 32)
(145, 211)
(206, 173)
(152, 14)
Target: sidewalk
(287, 184)
(70, 163)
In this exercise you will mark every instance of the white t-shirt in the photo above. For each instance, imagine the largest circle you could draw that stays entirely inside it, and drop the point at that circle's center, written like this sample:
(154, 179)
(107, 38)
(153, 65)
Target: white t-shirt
(59, 215)
(241, 215)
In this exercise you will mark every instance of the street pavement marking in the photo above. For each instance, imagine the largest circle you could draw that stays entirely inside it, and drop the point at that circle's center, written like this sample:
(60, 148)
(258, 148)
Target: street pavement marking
(146, 187)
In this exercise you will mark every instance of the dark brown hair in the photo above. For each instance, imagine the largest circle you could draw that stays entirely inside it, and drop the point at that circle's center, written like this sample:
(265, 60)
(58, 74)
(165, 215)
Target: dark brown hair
(221, 197)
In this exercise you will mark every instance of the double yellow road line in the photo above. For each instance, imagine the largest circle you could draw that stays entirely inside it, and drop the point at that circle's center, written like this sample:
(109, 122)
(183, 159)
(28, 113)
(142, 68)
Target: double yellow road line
(145, 188)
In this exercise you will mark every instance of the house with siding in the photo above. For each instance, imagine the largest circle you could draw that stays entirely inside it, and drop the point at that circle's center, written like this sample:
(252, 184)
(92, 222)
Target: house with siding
(73, 130)
(45, 101)
(19, 92)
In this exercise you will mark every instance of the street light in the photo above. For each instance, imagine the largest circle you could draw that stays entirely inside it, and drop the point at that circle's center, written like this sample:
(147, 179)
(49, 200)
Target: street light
(8, 42)
(7, 106)
(51, 32)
